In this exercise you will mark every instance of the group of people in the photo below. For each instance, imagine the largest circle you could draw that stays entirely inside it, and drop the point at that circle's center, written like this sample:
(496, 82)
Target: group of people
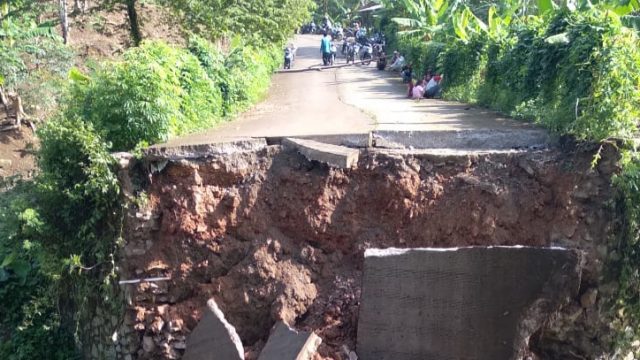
(426, 87)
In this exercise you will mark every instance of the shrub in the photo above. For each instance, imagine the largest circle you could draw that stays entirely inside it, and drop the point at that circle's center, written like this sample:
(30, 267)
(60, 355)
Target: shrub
(249, 73)
(156, 92)
(577, 73)
(58, 236)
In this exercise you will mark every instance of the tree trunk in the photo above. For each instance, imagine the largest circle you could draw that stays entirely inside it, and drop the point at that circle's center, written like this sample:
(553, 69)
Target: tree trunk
(133, 22)
(4, 101)
(64, 21)
(20, 114)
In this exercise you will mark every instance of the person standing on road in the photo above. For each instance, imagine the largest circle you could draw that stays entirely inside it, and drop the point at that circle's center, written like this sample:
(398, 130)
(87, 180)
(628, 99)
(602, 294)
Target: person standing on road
(325, 48)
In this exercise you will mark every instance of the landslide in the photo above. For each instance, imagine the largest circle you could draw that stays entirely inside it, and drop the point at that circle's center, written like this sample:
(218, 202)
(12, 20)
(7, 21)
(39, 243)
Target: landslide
(273, 236)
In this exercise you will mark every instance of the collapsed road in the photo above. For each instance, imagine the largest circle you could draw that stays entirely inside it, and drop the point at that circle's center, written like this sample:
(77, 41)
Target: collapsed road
(378, 239)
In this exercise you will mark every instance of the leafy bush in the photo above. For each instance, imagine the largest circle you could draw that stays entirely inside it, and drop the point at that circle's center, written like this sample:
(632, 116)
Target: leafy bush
(249, 70)
(577, 73)
(156, 92)
(58, 235)
(259, 22)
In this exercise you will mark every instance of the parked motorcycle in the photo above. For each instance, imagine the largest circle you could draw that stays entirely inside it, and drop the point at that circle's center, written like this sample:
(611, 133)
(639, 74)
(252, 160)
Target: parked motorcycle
(366, 54)
(337, 34)
(352, 50)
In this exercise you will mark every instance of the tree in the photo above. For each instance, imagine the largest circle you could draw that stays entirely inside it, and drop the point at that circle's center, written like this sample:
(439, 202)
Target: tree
(134, 23)
(64, 21)
(270, 21)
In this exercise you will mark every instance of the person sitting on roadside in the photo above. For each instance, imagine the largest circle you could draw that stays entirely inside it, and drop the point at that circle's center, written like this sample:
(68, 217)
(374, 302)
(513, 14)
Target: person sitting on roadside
(395, 57)
(432, 90)
(410, 86)
(397, 64)
(407, 73)
(418, 91)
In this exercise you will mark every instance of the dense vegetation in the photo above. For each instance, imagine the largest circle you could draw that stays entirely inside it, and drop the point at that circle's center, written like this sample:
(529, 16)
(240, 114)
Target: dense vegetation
(60, 231)
(573, 68)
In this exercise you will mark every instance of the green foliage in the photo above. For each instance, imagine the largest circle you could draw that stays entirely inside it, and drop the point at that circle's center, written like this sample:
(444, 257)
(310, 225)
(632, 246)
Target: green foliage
(27, 47)
(156, 92)
(58, 234)
(569, 85)
(625, 271)
(249, 65)
(260, 22)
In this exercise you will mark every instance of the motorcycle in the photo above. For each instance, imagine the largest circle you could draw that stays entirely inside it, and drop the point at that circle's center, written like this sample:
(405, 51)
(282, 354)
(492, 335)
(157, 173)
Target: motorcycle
(378, 49)
(367, 54)
(337, 34)
(352, 50)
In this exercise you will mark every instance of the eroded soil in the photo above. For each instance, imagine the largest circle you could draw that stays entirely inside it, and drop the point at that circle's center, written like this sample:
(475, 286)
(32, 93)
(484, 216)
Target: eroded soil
(273, 236)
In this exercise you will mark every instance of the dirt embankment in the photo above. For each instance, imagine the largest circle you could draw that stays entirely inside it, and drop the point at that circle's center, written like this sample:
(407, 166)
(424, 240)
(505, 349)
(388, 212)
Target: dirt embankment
(272, 236)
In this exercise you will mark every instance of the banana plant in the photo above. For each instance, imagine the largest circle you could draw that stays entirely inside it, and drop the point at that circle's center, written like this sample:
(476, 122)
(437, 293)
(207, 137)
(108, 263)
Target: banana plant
(426, 18)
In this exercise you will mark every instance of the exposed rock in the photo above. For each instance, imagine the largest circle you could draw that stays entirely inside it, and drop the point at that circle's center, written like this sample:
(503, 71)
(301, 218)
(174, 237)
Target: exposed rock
(214, 337)
(148, 345)
(286, 343)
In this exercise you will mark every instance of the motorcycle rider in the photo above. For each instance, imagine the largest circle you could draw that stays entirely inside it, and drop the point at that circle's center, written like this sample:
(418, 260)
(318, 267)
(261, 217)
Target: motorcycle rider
(325, 48)
(326, 24)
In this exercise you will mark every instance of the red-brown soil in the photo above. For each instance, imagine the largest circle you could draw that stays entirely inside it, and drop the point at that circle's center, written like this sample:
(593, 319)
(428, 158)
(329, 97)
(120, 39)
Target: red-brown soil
(273, 236)
(17, 146)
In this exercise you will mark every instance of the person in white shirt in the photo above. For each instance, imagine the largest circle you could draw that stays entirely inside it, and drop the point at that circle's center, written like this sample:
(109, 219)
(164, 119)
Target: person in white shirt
(398, 64)
(432, 89)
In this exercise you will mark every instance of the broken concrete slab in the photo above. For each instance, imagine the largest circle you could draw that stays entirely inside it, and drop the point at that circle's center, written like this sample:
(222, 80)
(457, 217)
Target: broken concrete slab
(476, 139)
(355, 140)
(214, 338)
(286, 343)
(332, 155)
(200, 151)
(463, 303)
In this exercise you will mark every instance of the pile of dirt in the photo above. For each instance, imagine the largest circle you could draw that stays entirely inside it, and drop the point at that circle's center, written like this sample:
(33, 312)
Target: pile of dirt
(274, 237)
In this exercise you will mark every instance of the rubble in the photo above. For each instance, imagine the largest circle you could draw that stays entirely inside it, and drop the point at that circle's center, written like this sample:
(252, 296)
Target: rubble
(286, 343)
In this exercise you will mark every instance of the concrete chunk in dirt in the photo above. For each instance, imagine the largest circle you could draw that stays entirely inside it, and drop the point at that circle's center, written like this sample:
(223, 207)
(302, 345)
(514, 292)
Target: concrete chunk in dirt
(286, 343)
(333, 155)
(462, 303)
(214, 338)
